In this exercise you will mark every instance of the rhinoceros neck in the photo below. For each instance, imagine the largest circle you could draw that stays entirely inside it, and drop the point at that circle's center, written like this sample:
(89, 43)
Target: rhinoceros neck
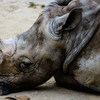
(81, 35)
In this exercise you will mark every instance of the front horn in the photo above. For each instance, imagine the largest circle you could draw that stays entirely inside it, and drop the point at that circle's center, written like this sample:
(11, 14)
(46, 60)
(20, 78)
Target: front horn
(8, 47)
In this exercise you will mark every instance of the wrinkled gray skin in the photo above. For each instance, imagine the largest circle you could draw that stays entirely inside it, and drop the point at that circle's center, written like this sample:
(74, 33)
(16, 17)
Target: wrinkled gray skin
(64, 41)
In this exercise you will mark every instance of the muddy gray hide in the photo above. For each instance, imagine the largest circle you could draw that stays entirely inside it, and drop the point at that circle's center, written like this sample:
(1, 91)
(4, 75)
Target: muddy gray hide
(82, 34)
(82, 50)
(80, 28)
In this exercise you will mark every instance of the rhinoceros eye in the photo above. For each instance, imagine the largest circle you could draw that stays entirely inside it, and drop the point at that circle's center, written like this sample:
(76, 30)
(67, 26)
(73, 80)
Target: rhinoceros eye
(24, 64)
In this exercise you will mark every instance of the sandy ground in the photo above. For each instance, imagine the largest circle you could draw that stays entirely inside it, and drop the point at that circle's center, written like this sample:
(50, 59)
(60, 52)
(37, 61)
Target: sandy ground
(15, 18)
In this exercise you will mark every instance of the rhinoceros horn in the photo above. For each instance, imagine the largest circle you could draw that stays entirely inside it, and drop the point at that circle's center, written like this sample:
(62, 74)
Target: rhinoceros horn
(8, 47)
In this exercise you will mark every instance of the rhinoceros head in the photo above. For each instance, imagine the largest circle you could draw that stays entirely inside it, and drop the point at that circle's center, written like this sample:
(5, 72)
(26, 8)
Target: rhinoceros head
(33, 57)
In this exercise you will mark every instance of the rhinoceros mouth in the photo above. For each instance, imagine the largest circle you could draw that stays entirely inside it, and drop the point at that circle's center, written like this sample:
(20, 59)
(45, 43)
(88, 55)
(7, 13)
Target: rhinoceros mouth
(5, 88)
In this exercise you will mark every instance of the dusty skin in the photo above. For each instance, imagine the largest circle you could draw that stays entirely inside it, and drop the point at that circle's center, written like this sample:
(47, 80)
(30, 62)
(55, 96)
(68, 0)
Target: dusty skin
(16, 17)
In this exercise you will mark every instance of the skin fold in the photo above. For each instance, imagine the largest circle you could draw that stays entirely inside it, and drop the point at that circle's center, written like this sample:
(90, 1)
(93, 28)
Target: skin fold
(57, 41)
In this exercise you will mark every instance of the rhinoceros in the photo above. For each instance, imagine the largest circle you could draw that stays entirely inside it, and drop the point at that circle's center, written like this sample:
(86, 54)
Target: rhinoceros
(64, 42)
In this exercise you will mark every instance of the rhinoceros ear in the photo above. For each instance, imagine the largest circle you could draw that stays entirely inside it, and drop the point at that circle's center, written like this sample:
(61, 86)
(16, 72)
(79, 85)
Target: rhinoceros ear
(66, 22)
(73, 19)
(8, 47)
(69, 21)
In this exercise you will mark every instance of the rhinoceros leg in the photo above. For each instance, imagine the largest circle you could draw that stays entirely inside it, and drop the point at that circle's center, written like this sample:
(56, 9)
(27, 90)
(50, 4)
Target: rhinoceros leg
(65, 80)
(69, 82)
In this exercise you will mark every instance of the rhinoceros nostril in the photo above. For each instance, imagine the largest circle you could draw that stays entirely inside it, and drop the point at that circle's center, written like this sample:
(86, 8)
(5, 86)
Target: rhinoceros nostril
(5, 84)
(4, 88)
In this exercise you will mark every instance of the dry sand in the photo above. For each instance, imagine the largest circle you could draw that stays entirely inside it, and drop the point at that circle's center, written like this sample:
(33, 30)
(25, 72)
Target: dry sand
(15, 18)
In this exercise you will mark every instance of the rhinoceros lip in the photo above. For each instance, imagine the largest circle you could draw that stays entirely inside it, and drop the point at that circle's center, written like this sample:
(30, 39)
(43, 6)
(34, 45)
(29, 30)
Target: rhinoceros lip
(5, 88)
